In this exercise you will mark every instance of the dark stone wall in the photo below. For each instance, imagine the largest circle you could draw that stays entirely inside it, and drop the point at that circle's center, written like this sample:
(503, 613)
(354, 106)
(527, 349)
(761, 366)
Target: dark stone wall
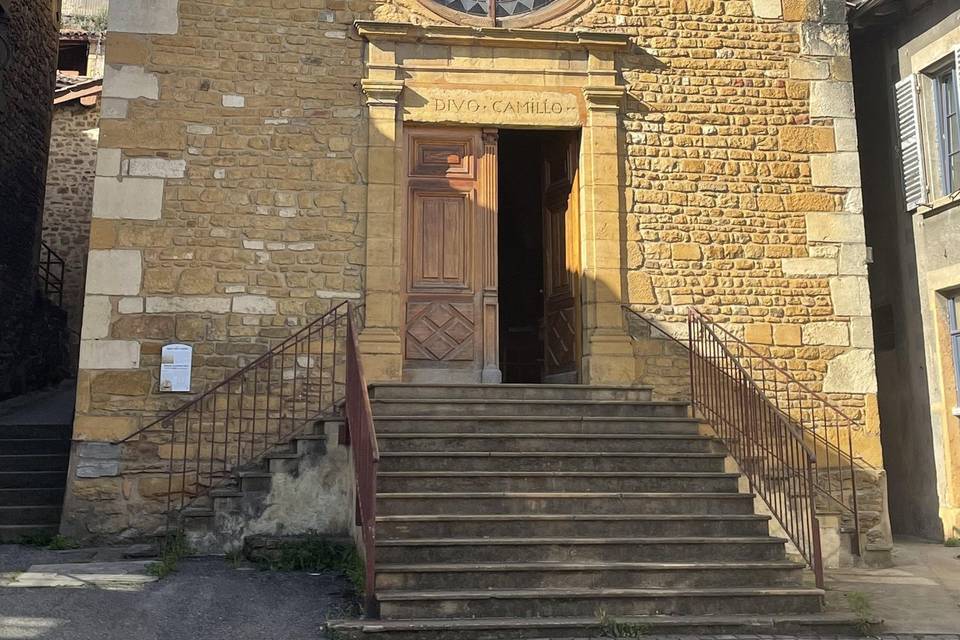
(28, 54)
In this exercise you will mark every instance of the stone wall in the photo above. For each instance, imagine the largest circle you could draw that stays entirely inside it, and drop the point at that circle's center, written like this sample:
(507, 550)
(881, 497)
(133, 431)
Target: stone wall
(229, 198)
(69, 196)
(26, 97)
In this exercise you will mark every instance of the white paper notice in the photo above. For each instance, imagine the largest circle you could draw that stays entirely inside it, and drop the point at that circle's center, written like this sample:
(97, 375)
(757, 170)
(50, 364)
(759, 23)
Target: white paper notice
(175, 363)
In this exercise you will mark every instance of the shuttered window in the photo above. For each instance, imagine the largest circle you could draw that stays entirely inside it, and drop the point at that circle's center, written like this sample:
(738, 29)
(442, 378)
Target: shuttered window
(952, 321)
(948, 128)
(911, 149)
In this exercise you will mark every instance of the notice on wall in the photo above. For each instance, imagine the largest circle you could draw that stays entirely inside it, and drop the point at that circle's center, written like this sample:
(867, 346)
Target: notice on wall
(176, 361)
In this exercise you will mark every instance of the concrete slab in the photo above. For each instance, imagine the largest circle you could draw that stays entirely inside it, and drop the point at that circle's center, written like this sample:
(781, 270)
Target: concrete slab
(920, 594)
(103, 575)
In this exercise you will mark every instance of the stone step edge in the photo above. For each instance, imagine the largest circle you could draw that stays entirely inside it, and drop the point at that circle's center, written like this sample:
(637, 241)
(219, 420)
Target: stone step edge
(747, 623)
(552, 436)
(505, 385)
(557, 474)
(508, 541)
(565, 495)
(529, 594)
(574, 517)
(589, 566)
(530, 401)
(550, 454)
(522, 418)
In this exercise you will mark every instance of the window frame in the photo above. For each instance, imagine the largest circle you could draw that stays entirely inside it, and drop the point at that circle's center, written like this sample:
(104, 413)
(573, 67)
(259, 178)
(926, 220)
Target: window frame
(953, 329)
(942, 104)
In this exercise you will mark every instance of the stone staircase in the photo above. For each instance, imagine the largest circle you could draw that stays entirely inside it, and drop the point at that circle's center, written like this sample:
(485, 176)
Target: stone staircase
(33, 472)
(512, 511)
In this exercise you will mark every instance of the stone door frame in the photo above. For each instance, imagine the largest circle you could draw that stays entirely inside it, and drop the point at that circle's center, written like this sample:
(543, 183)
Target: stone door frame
(498, 78)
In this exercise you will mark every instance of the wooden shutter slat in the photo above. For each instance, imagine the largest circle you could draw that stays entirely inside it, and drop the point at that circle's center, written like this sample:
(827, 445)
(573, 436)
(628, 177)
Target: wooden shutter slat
(911, 148)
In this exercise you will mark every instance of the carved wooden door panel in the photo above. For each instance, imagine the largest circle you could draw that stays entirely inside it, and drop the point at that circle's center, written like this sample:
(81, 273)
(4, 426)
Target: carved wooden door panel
(561, 313)
(451, 220)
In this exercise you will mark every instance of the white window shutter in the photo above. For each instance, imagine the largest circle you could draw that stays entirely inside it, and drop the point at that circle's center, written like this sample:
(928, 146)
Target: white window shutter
(911, 148)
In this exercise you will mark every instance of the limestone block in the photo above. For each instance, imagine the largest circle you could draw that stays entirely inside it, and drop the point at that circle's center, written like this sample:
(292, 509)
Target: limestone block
(130, 305)
(97, 459)
(136, 382)
(824, 39)
(130, 81)
(686, 251)
(640, 286)
(853, 201)
(809, 266)
(846, 134)
(851, 372)
(833, 334)
(787, 335)
(188, 304)
(853, 260)
(254, 304)
(841, 169)
(831, 99)
(199, 129)
(801, 139)
(86, 427)
(144, 16)
(803, 69)
(767, 8)
(129, 199)
(197, 280)
(861, 332)
(758, 333)
(157, 167)
(113, 108)
(109, 354)
(108, 162)
(834, 227)
(800, 10)
(97, 311)
(233, 101)
(114, 272)
(850, 295)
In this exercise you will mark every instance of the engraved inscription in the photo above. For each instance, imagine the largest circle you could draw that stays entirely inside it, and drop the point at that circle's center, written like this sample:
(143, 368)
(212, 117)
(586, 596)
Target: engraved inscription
(484, 106)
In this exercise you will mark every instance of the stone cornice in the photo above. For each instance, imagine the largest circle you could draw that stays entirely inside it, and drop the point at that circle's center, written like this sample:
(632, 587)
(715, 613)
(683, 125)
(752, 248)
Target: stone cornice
(490, 36)
(385, 92)
(604, 98)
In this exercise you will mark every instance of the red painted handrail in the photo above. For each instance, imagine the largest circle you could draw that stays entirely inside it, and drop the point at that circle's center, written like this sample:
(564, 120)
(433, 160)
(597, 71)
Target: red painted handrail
(362, 438)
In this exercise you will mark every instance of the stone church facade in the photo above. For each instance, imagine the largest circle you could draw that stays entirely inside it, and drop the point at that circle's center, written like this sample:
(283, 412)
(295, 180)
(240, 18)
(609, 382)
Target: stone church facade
(261, 161)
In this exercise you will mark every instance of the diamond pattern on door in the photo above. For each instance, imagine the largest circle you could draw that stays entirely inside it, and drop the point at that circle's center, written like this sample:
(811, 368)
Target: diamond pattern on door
(440, 331)
(562, 339)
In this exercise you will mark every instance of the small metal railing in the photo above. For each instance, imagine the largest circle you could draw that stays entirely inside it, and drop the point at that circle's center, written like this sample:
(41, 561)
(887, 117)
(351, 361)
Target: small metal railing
(206, 440)
(50, 272)
(362, 438)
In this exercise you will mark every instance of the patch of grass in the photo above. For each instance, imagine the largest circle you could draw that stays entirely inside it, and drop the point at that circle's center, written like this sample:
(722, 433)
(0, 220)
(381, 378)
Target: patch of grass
(610, 628)
(174, 548)
(47, 541)
(234, 558)
(860, 605)
(952, 541)
(316, 553)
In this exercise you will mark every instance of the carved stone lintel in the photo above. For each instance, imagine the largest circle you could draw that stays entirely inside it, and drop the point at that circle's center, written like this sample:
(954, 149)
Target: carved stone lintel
(604, 98)
(382, 92)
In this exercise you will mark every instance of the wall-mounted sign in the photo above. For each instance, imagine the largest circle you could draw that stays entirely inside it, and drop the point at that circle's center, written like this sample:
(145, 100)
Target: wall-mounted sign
(175, 363)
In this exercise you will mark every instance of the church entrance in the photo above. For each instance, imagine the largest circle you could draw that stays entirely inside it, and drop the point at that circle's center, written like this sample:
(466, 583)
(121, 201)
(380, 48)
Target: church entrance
(492, 256)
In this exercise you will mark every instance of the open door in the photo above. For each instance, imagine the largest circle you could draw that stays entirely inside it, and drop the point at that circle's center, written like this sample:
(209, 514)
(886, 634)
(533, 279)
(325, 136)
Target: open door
(561, 241)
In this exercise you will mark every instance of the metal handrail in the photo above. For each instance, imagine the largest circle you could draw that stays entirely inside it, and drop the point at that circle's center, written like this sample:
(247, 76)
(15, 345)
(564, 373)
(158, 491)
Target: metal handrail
(362, 438)
(206, 440)
(50, 270)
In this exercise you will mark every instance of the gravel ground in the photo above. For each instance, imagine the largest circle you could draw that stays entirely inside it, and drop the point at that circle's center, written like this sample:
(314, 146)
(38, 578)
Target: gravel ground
(205, 599)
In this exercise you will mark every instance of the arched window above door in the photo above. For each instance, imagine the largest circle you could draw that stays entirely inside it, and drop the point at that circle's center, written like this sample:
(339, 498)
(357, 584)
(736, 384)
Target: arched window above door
(503, 13)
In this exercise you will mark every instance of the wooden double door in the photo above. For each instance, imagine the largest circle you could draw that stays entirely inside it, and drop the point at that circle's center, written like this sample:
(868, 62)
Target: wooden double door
(451, 301)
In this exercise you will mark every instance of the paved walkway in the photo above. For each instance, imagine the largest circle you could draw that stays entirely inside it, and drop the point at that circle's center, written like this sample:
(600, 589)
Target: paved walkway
(920, 594)
(47, 406)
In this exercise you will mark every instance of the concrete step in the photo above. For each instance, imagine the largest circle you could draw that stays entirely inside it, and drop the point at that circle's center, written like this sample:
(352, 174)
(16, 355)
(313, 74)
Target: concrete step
(32, 446)
(386, 391)
(31, 496)
(30, 515)
(32, 431)
(542, 481)
(467, 503)
(588, 575)
(572, 461)
(590, 626)
(16, 532)
(536, 424)
(491, 407)
(546, 442)
(586, 602)
(35, 462)
(630, 549)
(33, 479)
(572, 525)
